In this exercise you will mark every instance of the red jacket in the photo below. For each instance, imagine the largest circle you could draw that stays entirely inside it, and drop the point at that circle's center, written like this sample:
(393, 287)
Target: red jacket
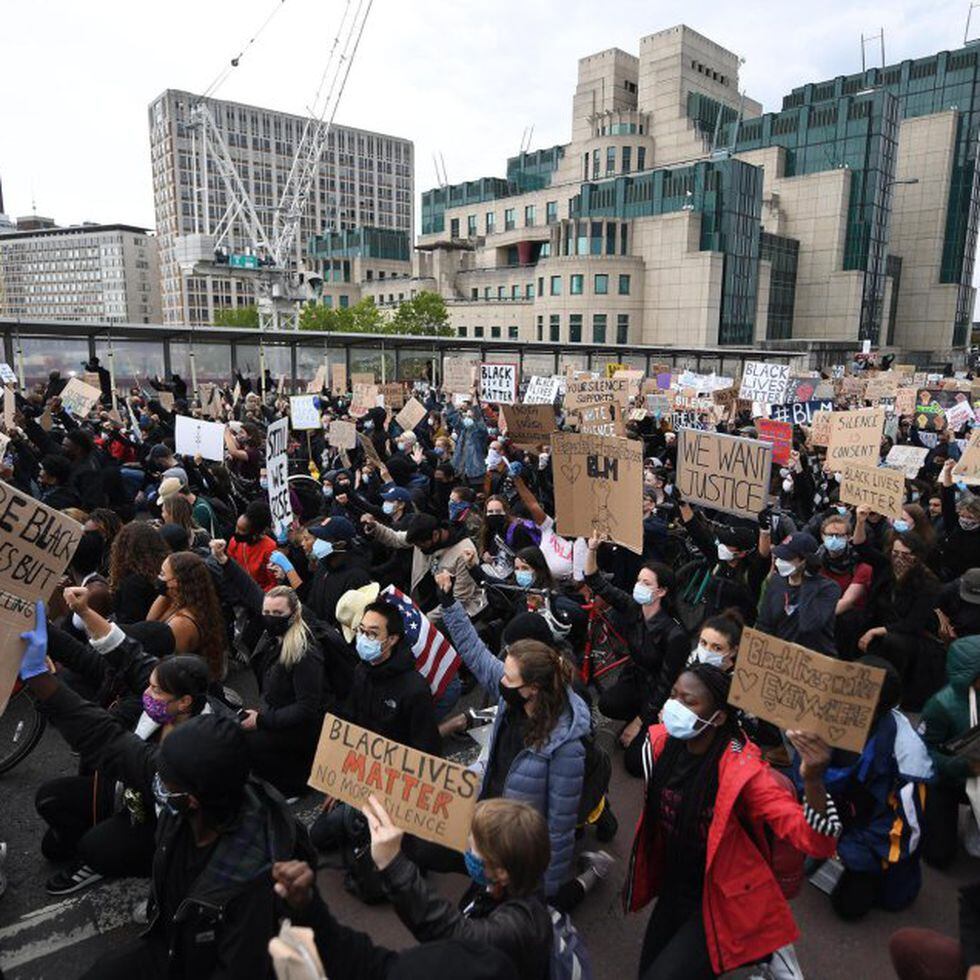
(254, 558)
(746, 916)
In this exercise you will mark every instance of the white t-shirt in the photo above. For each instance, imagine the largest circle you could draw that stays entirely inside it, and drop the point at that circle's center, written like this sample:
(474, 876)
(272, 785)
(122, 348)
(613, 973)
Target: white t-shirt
(565, 558)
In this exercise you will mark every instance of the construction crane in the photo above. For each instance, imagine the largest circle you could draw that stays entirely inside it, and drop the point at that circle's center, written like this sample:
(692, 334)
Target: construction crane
(269, 234)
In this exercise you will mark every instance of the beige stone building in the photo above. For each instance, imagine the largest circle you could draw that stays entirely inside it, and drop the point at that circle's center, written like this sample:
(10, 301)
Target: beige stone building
(679, 213)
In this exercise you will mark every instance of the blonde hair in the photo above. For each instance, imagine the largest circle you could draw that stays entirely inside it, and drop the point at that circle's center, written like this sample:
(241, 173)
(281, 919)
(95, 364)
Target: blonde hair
(297, 639)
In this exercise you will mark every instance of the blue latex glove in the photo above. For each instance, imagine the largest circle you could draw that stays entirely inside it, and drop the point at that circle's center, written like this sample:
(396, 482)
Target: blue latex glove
(516, 468)
(34, 660)
(278, 559)
(282, 536)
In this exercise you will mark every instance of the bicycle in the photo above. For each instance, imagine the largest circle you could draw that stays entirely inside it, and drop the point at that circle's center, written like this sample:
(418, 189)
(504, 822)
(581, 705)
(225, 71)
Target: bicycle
(21, 728)
(605, 648)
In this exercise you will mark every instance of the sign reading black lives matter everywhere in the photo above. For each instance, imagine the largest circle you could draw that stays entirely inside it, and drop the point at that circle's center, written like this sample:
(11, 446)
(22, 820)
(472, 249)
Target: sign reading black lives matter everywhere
(498, 383)
(424, 795)
(799, 689)
(277, 475)
(36, 544)
(764, 382)
(723, 472)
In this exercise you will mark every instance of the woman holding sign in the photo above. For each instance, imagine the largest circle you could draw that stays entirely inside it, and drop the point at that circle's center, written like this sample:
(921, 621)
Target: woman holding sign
(711, 801)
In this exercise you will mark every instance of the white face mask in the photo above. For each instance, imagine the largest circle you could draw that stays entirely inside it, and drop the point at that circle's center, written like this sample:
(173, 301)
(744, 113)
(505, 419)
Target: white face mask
(705, 656)
(724, 552)
(785, 567)
(788, 485)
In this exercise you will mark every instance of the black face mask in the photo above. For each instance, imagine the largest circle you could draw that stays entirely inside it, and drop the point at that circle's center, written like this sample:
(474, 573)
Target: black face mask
(161, 586)
(243, 538)
(276, 625)
(512, 696)
(496, 523)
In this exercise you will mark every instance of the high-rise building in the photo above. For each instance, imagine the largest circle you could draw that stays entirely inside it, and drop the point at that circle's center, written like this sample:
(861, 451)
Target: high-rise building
(91, 272)
(363, 179)
(679, 213)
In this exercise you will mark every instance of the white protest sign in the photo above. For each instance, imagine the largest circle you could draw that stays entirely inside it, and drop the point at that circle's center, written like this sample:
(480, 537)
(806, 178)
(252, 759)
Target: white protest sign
(764, 382)
(908, 459)
(303, 412)
(7, 375)
(195, 437)
(542, 390)
(277, 475)
(498, 383)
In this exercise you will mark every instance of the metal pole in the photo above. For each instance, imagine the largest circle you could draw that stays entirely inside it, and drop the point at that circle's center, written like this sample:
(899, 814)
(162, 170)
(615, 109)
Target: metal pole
(383, 365)
(20, 359)
(262, 368)
(112, 370)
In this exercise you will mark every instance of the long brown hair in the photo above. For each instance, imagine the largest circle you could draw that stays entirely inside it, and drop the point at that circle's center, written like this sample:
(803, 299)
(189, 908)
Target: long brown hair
(197, 597)
(546, 670)
(181, 513)
(513, 836)
(138, 549)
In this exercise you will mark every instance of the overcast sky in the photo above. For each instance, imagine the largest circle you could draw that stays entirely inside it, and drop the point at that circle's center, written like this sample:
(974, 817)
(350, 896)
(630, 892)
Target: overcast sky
(455, 76)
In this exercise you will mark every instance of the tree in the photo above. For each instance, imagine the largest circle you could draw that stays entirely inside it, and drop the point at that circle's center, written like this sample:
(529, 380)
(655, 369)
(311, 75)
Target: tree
(362, 317)
(243, 317)
(424, 314)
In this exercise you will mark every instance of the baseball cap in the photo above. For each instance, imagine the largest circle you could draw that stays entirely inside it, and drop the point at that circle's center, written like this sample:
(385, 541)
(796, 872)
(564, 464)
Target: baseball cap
(397, 493)
(798, 545)
(169, 487)
(970, 586)
(736, 538)
(336, 529)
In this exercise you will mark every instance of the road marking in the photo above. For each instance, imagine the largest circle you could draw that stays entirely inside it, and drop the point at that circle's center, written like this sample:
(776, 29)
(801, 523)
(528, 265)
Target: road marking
(47, 930)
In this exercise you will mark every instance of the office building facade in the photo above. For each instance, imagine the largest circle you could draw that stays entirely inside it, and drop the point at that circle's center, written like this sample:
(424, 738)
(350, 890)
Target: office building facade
(680, 213)
(96, 273)
(363, 178)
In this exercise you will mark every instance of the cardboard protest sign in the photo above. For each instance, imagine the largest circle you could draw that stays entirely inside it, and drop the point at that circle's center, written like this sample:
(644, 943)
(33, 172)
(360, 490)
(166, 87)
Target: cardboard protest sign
(364, 398)
(498, 383)
(195, 437)
(598, 486)
(908, 459)
(9, 407)
(542, 391)
(881, 386)
(633, 376)
(362, 378)
(659, 405)
(458, 374)
(342, 435)
(37, 543)
(726, 473)
(764, 382)
(583, 391)
(528, 425)
(855, 437)
(878, 487)
(394, 394)
(800, 389)
(798, 689)
(424, 795)
(612, 367)
(800, 413)
(338, 379)
(313, 387)
(277, 475)
(412, 413)
(905, 401)
(602, 420)
(79, 398)
(967, 469)
(779, 435)
(929, 413)
(372, 454)
(303, 412)
(820, 431)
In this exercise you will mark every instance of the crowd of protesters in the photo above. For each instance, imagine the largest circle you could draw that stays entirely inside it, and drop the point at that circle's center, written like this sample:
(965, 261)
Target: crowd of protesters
(182, 586)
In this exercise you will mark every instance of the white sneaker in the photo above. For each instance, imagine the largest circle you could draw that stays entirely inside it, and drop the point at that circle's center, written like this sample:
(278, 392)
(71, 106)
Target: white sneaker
(600, 862)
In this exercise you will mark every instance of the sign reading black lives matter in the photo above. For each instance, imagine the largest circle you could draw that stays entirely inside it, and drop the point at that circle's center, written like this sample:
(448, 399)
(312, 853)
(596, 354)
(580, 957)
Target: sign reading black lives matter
(764, 382)
(277, 475)
(36, 544)
(723, 472)
(498, 383)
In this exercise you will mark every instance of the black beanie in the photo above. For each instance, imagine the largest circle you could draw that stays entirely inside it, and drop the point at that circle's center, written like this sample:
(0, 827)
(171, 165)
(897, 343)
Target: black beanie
(528, 626)
(207, 756)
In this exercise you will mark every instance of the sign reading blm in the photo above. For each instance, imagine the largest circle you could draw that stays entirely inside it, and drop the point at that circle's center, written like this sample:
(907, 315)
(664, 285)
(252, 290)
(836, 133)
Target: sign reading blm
(424, 795)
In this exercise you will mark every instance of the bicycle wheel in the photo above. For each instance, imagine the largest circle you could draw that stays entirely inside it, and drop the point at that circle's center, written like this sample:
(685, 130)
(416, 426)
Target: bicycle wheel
(21, 728)
(690, 582)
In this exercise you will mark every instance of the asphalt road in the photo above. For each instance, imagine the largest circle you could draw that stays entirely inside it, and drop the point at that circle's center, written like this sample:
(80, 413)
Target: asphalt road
(50, 939)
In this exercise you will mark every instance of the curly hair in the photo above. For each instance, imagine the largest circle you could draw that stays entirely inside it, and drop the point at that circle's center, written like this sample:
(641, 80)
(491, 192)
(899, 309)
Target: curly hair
(196, 595)
(138, 549)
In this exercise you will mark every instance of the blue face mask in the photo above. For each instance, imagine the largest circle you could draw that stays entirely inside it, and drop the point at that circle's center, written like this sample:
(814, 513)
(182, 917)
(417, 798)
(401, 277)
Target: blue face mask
(476, 869)
(835, 543)
(681, 722)
(492, 430)
(961, 486)
(901, 526)
(400, 447)
(368, 649)
(642, 594)
(264, 483)
(841, 509)
(440, 451)
(468, 422)
(368, 426)
(457, 508)
(389, 506)
(524, 578)
(322, 549)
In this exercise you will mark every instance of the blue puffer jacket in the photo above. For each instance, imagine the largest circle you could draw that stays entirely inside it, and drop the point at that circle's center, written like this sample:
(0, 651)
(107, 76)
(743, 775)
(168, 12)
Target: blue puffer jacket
(470, 457)
(548, 777)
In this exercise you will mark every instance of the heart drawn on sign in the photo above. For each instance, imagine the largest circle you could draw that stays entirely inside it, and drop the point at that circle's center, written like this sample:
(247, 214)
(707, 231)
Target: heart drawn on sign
(836, 732)
(571, 471)
(747, 682)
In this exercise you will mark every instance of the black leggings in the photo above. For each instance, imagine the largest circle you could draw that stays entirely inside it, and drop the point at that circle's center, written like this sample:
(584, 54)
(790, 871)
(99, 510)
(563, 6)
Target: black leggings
(79, 813)
(284, 758)
(940, 835)
(675, 946)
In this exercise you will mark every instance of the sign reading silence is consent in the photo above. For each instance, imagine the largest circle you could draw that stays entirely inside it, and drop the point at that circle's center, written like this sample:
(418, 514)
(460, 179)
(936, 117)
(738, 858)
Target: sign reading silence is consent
(723, 472)
(855, 437)
(798, 689)
(424, 795)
